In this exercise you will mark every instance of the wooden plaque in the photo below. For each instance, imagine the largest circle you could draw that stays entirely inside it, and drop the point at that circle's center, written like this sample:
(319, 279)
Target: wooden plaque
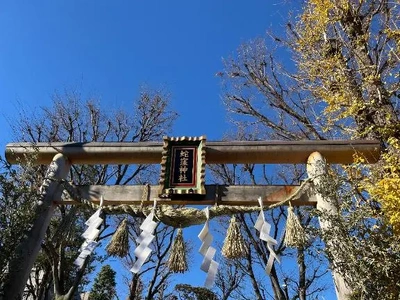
(183, 167)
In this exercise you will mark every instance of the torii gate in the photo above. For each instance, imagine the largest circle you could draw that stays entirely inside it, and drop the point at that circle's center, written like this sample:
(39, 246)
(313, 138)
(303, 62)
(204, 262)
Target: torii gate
(61, 156)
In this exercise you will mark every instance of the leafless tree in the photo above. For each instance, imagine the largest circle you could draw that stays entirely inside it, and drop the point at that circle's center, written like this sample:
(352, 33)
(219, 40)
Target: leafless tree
(332, 76)
(72, 119)
(284, 284)
(154, 271)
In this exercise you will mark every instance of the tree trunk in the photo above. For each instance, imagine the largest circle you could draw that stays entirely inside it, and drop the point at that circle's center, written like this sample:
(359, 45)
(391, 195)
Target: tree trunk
(252, 276)
(278, 292)
(302, 273)
(134, 288)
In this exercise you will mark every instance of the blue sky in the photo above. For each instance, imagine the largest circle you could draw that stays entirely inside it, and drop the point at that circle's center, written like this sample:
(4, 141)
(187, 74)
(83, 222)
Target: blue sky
(107, 49)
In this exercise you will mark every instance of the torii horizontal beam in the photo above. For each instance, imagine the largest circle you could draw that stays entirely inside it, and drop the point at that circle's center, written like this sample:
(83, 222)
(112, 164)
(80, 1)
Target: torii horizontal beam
(239, 195)
(261, 152)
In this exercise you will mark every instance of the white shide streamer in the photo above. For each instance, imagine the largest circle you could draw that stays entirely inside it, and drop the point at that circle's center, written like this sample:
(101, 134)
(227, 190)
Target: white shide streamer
(208, 265)
(264, 228)
(90, 234)
(143, 250)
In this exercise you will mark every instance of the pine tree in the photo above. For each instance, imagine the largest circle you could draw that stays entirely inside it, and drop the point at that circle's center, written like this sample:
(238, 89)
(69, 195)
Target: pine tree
(104, 285)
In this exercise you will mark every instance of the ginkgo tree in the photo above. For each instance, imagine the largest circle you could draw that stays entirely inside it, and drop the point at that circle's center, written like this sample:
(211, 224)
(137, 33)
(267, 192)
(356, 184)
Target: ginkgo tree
(339, 78)
(349, 57)
(335, 75)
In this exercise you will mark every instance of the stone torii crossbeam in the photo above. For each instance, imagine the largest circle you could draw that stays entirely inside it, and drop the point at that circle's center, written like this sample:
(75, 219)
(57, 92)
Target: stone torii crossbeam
(61, 156)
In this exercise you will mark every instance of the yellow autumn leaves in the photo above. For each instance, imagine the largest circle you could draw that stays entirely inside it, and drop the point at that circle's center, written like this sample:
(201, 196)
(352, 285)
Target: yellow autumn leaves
(383, 184)
(339, 69)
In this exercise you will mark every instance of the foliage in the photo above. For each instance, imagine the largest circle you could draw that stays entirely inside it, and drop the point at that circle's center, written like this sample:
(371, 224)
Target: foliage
(72, 119)
(17, 198)
(104, 285)
(245, 278)
(383, 184)
(366, 253)
(189, 292)
(354, 73)
(357, 75)
(342, 82)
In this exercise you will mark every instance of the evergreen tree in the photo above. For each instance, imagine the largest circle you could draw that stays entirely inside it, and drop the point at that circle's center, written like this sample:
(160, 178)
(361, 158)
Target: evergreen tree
(104, 284)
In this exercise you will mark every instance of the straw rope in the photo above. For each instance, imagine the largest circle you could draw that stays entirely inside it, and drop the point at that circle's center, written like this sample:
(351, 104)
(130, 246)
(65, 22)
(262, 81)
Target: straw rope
(119, 244)
(182, 216)
(234, 245)
(295, 235)
(177, 262)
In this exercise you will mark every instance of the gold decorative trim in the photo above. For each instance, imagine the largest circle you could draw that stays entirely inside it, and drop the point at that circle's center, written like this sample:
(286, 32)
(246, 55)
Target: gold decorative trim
(199, 189)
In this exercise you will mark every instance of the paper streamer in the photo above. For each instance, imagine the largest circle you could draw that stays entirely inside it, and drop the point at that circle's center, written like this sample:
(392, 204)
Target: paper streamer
(143, 250)
(264, 228)
(208, 265)
(90, 234)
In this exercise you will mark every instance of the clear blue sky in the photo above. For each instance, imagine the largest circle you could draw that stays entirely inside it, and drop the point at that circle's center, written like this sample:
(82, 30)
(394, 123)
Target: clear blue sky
(107, 49)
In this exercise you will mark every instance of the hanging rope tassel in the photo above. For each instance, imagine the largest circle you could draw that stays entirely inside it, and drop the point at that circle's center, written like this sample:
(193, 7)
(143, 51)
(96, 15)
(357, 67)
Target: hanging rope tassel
(234, 245)
(177, 259)
(119, 244)
(295, 235)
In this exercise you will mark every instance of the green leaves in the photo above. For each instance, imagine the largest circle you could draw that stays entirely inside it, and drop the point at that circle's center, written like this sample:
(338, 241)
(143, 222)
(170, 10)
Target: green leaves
(104, 285)
(17, 199)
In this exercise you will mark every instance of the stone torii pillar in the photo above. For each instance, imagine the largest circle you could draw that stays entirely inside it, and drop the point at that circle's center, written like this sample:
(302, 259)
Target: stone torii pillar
(316, 169)
(26, 253)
